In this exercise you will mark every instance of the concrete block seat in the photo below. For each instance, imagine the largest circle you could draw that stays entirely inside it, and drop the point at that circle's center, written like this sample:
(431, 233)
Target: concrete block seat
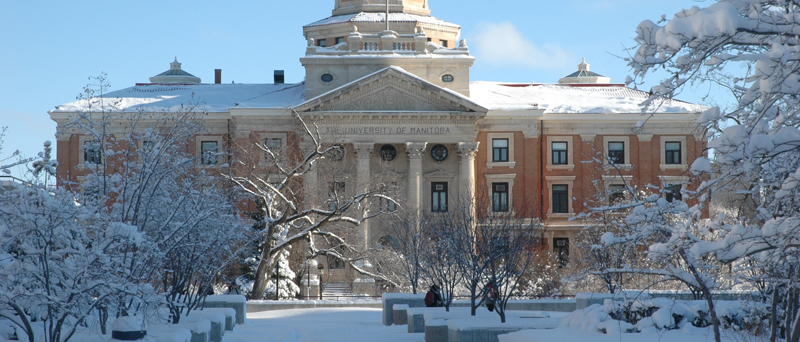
(236, 302)
(229, 315)
(483, 330)
(400, 314)
(390, 299)
(418, 317)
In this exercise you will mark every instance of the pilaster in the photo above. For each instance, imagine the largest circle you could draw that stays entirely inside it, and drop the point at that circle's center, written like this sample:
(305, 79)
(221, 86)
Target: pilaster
(415, 151)
(363, 152)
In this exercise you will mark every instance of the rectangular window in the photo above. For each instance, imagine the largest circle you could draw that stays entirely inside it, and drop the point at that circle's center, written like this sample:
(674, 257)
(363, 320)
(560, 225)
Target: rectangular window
(500, 197)
(559, 152)
(561, 249)
(617, 193)
(672, 152)
(499, 150)
(560, 199)
(93, 152)
(673, 193)
(208, 151)
(388, 206)
(339, 40)
(616, 152)
(322, 43)
(439, 197)
(443, 43)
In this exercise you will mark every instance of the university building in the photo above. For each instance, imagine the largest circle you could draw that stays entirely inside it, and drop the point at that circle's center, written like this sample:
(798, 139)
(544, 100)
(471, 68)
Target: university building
(398, 96)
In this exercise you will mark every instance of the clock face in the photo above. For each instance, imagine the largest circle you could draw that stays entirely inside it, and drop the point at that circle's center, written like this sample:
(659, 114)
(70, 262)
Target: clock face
(439, 152)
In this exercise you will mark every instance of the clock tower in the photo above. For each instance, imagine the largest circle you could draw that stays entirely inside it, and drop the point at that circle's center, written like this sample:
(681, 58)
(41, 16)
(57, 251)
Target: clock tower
(358, 40)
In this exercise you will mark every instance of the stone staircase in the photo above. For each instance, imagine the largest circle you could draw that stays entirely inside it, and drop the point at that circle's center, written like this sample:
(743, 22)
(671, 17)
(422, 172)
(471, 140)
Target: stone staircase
(336, 291)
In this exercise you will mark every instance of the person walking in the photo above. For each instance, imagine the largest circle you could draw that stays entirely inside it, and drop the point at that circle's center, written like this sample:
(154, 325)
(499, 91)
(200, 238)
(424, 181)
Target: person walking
(490, 296)
(434, 297)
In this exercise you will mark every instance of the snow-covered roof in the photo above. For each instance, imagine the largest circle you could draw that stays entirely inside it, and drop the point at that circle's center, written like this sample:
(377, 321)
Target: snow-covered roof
(372, 17)
(569, 99)
(209, 97)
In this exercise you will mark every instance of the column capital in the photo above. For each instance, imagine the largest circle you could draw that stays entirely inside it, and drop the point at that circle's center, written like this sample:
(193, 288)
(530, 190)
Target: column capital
(415, 149)
(363, 149)
(468, 149)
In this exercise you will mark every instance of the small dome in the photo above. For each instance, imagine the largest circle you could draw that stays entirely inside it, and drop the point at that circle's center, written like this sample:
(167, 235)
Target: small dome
(584, 76)
(175, 75)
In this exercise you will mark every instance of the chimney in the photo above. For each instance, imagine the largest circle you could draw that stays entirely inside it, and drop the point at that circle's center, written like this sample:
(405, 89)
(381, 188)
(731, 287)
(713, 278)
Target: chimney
(279, 77)
(217, 76)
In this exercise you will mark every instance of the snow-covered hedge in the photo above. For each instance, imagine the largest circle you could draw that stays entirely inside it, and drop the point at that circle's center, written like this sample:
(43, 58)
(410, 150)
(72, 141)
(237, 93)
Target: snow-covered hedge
(641, 315)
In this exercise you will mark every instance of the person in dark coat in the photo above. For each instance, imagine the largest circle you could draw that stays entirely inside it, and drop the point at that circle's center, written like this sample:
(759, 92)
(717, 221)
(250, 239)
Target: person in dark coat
(434, 297)
(490, 296)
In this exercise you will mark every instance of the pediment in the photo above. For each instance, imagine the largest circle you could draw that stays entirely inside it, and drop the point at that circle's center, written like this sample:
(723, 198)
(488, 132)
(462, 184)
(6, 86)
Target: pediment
(391, 89)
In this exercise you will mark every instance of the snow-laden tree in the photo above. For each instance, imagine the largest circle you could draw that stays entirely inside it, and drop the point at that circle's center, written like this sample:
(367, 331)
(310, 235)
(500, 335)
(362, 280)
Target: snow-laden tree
(144, 176)
(752, 48)
(59, 261)
(285, 219)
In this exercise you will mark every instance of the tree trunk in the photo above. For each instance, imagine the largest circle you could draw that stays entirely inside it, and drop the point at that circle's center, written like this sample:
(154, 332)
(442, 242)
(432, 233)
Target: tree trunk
(263, 270)
(773, 318)
(713, 312)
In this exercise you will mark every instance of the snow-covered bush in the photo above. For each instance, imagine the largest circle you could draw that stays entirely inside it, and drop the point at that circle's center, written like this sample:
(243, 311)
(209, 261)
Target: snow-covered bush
(286, 288)
(645, 314)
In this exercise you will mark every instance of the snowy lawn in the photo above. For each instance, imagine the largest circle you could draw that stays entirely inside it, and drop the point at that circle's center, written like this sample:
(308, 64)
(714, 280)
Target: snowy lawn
(330, 324)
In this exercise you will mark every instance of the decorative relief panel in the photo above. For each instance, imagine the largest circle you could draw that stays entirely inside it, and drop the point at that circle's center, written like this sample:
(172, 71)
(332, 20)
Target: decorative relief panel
(390, 94)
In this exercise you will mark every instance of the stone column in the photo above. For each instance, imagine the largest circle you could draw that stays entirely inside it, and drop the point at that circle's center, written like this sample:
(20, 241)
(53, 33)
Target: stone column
(363, 152)
(415, 151)
(466, 180)
(310, 186)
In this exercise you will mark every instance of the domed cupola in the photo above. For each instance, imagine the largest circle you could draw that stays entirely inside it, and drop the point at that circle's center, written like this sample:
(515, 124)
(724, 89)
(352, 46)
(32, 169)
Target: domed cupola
(175, 75)
(584, 76)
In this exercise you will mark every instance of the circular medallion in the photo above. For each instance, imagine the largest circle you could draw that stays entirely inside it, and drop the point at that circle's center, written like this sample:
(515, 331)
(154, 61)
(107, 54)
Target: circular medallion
(439, 152)
(448, 78)
(327, 78)
(337, 154)
(388, 152)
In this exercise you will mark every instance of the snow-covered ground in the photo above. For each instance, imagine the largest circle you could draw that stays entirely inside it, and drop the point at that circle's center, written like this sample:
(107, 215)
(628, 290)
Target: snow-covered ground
(311, 325)
(362, 324)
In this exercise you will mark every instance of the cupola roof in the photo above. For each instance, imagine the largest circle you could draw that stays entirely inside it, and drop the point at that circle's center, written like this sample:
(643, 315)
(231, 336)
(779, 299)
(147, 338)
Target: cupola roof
(584, 75)
(175, 75)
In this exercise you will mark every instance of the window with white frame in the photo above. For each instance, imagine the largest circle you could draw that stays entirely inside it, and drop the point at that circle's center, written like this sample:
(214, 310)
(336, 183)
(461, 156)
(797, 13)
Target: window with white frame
(673, 193)
(560, 153)
(500, 197)
(560, 188)
(501, 150)
(617, 151)
(208, 152)
(501, 191)
(439, 197)
(276, 143)
(209, 149)
(560, 198)
(673, 152)
(93, 152)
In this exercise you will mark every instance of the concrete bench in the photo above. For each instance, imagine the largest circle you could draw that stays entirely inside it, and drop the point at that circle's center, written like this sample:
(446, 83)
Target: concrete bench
(390, 299)
(477, 329)
(236, 302)
(399, 314)
(436, 330)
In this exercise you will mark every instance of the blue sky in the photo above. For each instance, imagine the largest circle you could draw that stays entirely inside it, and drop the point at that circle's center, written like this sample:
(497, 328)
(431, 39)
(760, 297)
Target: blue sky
(49, 48)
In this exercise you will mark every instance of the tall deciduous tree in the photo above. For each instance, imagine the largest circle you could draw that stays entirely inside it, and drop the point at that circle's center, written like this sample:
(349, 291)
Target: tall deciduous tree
(752, 48)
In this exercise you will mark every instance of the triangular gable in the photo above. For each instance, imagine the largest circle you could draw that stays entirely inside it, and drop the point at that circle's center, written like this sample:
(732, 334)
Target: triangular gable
(390, 89)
